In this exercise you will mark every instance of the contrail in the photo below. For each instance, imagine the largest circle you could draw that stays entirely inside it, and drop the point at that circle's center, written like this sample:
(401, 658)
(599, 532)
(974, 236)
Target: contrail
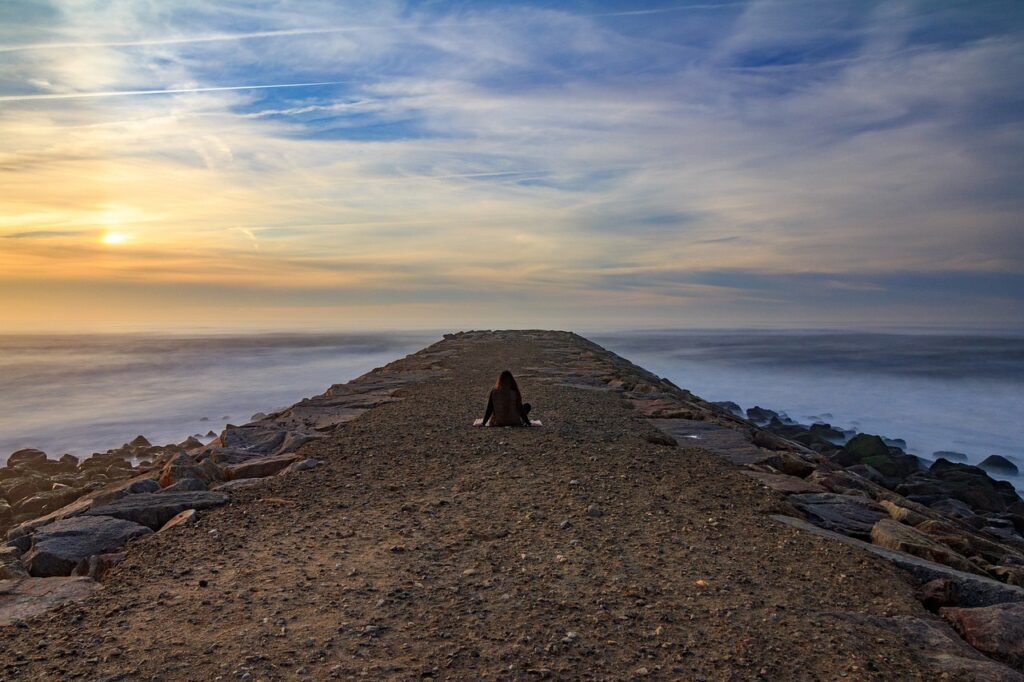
(170, 91)
(221, 37)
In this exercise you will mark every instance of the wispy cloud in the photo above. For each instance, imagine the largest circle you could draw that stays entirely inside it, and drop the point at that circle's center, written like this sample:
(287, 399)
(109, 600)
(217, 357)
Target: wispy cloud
(166, 91)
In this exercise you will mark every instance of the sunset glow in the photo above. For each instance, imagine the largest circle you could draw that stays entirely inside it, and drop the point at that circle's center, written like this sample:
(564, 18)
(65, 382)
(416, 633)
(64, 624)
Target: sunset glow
(359, 163)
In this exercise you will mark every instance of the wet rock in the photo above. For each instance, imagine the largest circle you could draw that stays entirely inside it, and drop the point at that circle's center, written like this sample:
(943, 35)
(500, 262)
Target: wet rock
(894, 535)
(789, 463)
(938, 593)
(902, 514)
(730, 407)
(191, 443)
(6, 514)
(954, 508)
(28, 597)
(47, 501)
(997, 631)
(761, 415)
(140, 442)
(787, 485)
(846, 514)
(59, 547)
(186, 484)
(153, 510)
(15, 490)
(951, 455)
(1011, 575)
(999, 464)
(261, 467)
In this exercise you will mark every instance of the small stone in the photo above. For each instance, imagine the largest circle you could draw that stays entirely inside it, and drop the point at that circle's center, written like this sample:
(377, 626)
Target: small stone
(565, 524)
(594, 511)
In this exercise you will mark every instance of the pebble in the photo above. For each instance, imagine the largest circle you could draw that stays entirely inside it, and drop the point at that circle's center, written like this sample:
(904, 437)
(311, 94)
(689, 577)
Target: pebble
(594, 511)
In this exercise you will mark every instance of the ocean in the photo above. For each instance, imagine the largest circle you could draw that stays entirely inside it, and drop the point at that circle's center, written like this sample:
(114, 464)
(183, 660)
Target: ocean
(936, 391)
(83, 394)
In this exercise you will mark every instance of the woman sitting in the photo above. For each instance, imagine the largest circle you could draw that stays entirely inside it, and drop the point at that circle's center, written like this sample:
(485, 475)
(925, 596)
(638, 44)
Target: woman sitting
(505, 405)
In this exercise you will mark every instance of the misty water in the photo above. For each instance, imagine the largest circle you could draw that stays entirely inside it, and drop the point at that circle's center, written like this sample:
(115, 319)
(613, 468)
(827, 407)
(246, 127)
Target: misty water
(958, 392)
(82, 394)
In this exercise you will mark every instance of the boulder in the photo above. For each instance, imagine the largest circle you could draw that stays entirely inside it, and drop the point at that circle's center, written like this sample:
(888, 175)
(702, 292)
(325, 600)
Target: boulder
(15, 490)
(28, 597)
(6, 514)
(847, 514)
(951, 455)
(902, 514)
(997, 631)
(789, 463)
(872, 450)
(259, 468)
(69, 462)
(938, 593)
(182, 466)
(185, 485)
(153, 510)
(761, 415)
(787, 485)
(140, 442)
(894, 535)
(1011, 575)
(11, 566)
(26, 456)
(953, 508)
(974, 486)
(134, 486)
(47, 501)
(999, 464)
(59, 547)
(301, 465)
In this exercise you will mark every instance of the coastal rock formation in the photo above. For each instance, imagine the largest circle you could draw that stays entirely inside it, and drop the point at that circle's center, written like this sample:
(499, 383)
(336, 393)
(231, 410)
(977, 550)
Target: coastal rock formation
(847, 514)
(994, 630)
(153, 510)
(59, 547)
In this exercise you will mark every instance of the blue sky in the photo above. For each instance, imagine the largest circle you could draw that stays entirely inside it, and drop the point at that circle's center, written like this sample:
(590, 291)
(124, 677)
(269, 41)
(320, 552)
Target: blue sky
(748, 163)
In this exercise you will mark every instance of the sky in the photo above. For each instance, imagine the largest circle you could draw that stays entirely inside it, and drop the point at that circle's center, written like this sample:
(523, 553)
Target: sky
(598, 164)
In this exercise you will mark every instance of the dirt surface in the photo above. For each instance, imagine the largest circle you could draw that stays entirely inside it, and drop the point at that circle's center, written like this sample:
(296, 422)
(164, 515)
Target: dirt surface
(424, 548)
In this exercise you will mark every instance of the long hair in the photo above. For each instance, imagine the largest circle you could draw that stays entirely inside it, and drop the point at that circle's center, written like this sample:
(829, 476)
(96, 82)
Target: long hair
(507, 381)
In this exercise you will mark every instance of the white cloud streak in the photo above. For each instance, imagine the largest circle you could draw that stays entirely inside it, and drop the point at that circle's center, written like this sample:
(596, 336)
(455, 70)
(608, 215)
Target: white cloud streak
(165, 91)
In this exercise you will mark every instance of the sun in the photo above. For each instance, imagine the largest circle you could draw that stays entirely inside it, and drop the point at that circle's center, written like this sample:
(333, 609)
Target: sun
(114, 238)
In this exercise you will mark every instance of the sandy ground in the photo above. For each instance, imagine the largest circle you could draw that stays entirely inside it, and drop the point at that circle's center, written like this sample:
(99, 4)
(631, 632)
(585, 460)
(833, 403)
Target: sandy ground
(427, 548)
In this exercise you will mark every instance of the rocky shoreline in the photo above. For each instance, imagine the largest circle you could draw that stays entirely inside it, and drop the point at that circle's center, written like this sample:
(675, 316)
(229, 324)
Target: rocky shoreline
(957, 532)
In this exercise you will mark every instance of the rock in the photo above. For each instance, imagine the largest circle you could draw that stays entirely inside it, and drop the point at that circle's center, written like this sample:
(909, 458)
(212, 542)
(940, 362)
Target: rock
(25, 456)
(902, 514)
(951, 455)
(15, 490)
(153, 510)
(974, 486)
(11, 566)
(938, 593)
(261, 467)
(301, 465)
(183, 466)
(237, 484)
(787, 485)
(934, 647)
(847, 514)
(594, 511)
(140, 442)
(59, 547)
(761, 415)
(730, 407)
(6, 514)
(789, 463)
(894, 535)
(47, 501)
(96, 566)
(997, 631)
(999, 464)
(1011, 575)
(186, 484)
(185, 518)
(28, 597)
(135, 486)
(69, 462)
(872, 450)
(191, 443)
(827, 432)
(954, 508)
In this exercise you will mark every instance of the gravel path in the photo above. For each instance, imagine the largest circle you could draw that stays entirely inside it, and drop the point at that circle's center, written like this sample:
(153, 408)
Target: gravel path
(427, 548)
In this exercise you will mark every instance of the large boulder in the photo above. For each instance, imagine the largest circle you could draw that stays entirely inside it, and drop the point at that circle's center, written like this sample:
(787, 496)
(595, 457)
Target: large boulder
(15, 490)
(59, 547)
(28, 597)
(10, 564)
(134, 486)
(153, 510)
(974, 486)
(182, 466)
(997, 631)
(1000, 465)
(46, 501)
(26, 456)
(894, 535)
(261, 467)
(872, 451)
(847, 514)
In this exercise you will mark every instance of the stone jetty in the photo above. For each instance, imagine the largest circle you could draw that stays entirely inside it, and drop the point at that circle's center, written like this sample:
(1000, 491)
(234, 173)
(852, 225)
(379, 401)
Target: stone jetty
(371, 532)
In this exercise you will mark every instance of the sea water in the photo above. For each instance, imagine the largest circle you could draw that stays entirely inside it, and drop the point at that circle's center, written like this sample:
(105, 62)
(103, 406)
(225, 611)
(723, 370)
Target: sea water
(937, 391)
(85, 394)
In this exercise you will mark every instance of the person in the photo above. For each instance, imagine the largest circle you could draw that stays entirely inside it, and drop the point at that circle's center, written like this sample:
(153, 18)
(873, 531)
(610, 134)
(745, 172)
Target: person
(505, 406)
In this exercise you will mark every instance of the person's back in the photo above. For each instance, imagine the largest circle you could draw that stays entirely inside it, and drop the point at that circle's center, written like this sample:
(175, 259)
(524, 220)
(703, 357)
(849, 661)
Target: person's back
(508, 407)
